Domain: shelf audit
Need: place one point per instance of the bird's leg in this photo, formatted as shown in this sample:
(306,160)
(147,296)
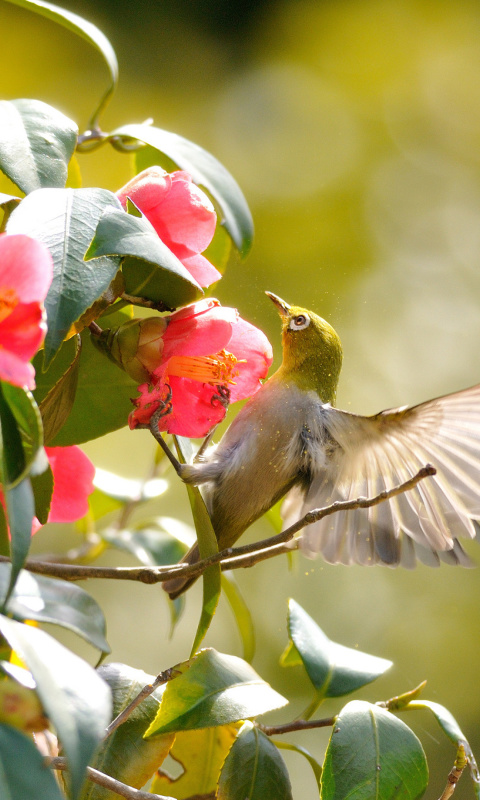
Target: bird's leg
(201,450)
(164,408)
(223,396)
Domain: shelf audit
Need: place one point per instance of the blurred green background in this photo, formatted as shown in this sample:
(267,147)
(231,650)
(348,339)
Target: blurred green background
(353,128)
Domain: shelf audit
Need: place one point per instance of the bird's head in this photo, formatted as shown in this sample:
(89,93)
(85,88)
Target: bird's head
(312,351)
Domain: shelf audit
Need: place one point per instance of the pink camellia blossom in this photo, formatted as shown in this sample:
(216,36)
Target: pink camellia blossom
(206,354)
(181,214)
(26,271)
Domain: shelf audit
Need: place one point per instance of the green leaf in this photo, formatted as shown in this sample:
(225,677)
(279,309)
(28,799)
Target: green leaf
(333,669)
(76,699)
(13,456)
(205,171)
(58,403)
(36,144)
(213,689)
(207,545)
(201,754)
(150,544)
(20,504)
(102,400)
(28,422)
(126,755)
(17,781)
(86,30)
(65,220)
(58,602)
(41,477)
(316,768)
(121,234)
(253,769)
(242,615)
(372,754)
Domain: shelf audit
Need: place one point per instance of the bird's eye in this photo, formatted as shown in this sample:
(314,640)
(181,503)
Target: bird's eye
(299,322)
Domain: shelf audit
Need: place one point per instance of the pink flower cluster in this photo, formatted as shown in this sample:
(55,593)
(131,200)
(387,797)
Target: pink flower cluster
(206,355)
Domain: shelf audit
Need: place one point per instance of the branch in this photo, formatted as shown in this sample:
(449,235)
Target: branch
(109,783)
(297,725)
(231,557)
(147,690)
(455,773)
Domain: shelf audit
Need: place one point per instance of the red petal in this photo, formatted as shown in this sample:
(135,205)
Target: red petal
(195,411)
(202,332)
(186,216)
(201,269)
(23,331)
(73,474)
(26,266)
(249,344)
(15,370)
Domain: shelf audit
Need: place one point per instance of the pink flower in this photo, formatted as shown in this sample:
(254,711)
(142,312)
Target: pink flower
(26,271)
(207,353)
(73,475)
(181,214)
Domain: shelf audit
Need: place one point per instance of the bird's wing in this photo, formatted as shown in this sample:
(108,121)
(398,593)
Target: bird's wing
(372,454)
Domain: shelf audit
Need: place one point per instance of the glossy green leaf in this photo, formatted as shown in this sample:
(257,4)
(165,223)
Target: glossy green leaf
(333,669)
(20,504)
(41,477)
(17,781)
(242,615)
(86,30)
(28,421)
(205,171)
(65,220)
(74,696)
(213,689)
(102,401)
(59,602)
(207,545)
(36,144)
(122,234)
(58,403)
(201,755)
(316,768)
(13,460)
(372,754)
(253,768)
(126,755)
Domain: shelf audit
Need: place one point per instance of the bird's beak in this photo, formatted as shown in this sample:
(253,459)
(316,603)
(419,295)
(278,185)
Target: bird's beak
(282,307)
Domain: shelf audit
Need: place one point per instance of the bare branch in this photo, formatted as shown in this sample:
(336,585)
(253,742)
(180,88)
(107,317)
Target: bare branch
(297,725)
(147,690)
(109,783)
(230,558)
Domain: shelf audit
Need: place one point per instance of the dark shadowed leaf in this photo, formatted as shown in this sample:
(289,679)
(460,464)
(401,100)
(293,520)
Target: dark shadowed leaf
(65,220)
(333,669)
(122,234)
(126,755)
(59,602)
(58,403)
(76,699)
(372,754)
(253,768)
(102,400)
(36,144)
(205,171)
(18,782)
(213,689)
(20,504)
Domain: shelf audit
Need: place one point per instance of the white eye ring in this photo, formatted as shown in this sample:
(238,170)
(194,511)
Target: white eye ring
(300,322)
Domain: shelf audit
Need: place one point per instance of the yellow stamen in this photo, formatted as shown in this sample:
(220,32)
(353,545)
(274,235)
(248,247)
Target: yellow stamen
(217,369)
(8,301)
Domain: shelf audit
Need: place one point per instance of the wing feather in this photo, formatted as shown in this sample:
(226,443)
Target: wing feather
(371,454)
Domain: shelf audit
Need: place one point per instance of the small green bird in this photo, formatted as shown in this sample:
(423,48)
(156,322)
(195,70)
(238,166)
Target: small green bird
(289,439)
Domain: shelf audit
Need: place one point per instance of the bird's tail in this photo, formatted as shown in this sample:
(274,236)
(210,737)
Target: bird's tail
(176,586)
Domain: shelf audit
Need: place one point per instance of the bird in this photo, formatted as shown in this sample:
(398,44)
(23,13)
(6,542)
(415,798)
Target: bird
(290,440)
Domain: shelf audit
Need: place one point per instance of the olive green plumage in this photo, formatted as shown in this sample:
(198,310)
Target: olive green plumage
(290,440)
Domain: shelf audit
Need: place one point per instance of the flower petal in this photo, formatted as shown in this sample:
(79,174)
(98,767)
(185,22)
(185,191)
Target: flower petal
(25,266)
(187,215)
(201,269)
(16,370)
(73,474)
(23,331)
(254,353)
(201,329)
(195,409)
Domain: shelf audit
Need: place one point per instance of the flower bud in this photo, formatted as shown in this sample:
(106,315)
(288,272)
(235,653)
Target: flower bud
(136,346)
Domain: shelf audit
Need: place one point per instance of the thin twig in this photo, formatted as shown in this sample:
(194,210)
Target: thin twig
(231,557)
(297,725)
(109,783)
(147,690)
(455,773)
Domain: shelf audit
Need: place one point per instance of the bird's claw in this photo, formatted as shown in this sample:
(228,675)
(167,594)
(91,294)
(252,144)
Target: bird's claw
(223,396)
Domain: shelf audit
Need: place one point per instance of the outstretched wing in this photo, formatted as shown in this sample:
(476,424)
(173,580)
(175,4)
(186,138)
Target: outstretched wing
(372,454)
